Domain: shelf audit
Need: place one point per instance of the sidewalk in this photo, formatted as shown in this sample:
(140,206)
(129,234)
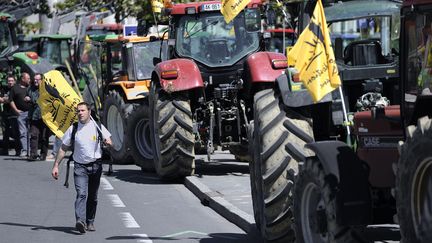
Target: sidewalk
(224,186)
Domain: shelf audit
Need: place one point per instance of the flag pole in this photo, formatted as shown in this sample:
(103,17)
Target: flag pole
(346,122)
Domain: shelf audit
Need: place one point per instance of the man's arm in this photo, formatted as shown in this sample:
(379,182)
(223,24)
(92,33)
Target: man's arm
(14,108)
(60,155)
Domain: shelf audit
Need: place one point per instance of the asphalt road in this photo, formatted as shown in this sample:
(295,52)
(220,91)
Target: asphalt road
(133,207)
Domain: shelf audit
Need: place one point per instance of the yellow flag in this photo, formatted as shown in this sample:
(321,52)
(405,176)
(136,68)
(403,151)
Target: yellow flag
(313,57)
(230,8)
(57,101)
(157,6)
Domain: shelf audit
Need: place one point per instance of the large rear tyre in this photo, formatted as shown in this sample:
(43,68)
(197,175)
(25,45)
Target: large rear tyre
(115,117)
(141,148)
(413,183)
(279,138)
(172,135)
(315,208)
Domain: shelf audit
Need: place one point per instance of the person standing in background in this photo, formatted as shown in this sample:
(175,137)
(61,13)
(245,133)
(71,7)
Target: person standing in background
(20,107)
(9,120)
(38,130)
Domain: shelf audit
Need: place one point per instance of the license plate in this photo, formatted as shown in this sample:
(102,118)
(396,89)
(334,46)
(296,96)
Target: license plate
(211,7)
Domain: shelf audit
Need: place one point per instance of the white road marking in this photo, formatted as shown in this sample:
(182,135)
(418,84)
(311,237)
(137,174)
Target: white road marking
(191,232)
(143,238)
(116,201)
(184,233)
(129,221)
(105,184)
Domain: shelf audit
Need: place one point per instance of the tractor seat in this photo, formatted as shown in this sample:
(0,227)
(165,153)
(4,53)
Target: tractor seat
(217,49)
(363,52)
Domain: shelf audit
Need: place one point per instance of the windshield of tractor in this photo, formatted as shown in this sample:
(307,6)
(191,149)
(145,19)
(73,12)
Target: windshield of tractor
(143,54)
(417,53)
(377,28)
(5,38)
(56,51)
(209,40)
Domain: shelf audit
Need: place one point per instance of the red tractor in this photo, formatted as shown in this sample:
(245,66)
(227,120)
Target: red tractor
(202,96)
(307,184)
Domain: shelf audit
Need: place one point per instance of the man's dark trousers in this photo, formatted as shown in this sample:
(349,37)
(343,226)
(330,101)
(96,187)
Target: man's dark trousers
(87,180)
(39,132)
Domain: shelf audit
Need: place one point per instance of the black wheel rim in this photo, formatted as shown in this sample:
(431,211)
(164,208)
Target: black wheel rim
(312,210)
(421,187)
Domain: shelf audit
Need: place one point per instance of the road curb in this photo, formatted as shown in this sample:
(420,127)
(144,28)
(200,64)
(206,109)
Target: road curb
(215,200)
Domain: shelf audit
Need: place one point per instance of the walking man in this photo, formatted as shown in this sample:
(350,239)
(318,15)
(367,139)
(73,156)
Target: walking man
(87,152)
(20,107)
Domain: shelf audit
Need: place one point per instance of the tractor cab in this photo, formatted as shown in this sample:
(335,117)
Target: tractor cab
(201,33)
(53,47)
(278,39)
(6,35)
(126,61)
(104,29)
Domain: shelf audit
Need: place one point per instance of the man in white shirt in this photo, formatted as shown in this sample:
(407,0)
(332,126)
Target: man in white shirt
(87,152)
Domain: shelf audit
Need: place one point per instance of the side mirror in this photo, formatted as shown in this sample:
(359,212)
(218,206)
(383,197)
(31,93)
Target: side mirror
(252,19)
(156,60)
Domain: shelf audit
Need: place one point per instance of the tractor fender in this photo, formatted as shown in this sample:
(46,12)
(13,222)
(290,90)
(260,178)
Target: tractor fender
(261,66)
(188,75)
(343,167)
(296,98)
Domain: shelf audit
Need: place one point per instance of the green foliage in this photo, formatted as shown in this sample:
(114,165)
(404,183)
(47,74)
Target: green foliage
(26,27)
(141,9)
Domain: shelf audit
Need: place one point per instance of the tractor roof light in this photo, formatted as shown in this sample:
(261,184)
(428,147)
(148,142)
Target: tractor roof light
(32,55)
(170,74)
(190,10)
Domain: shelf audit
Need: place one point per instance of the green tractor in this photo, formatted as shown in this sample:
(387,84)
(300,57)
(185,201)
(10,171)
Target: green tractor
(53,47)
(11,61)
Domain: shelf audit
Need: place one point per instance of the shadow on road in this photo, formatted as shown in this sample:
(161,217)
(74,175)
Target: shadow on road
(207,238)
(139,177)
(68,230)
(221,167)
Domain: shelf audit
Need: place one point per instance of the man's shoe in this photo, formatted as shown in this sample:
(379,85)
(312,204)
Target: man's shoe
(33,158)
(80,227)
(50,157)
(23,154)
(90,227)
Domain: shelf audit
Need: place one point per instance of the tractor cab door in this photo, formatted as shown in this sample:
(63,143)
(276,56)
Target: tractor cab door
(416,66)
(91,60)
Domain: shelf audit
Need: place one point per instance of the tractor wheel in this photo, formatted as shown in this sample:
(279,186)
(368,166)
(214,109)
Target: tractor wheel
(413,183)
(115,117)
(172,135)
(254,181)
(141,148)
(315,208)
(278,146)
